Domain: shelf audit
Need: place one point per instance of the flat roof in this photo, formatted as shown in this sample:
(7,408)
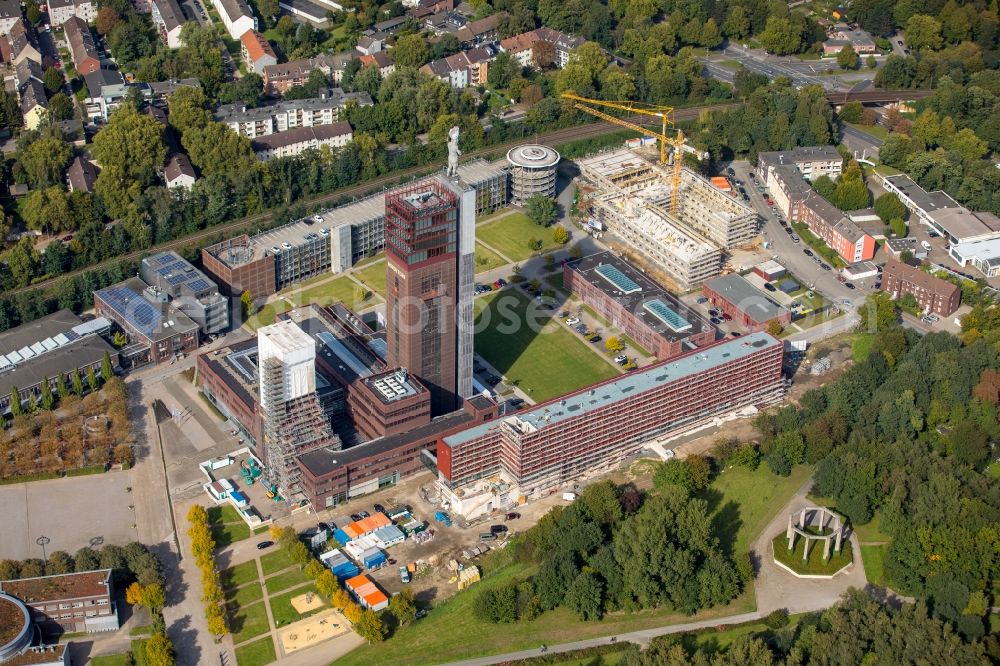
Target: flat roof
(155,320)
(643,292)
(176,275)
(394,385)
(748,298)
(323,461)
(959,222)
(608,393)
(614,162)
(48,326)
(921,198)
(984,250)
(58,587)
(77,354)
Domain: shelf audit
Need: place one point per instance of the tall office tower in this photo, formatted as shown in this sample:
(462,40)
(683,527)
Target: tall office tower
(294,422)
(430,247)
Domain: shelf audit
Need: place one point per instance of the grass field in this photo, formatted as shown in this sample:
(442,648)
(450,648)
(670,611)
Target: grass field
(139,651)
(248,621)
(112,660)
(743,502)
(246,595)
(815,565)
(510,236)
(337,289)
(373,275)
(257,653)
(281,606)
(541,356)
(285,580)
(266,315)
(227,526)
(275,561)
(862,346)
(487,260)
(239,575)
(873,557)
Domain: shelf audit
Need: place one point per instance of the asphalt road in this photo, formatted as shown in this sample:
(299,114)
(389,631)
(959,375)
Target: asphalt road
(861,143)
(801,72)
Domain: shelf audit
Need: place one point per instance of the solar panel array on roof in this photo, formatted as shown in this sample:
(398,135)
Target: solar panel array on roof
(164,259)
(133,307)
(200,285)
(621,281)
(659,309)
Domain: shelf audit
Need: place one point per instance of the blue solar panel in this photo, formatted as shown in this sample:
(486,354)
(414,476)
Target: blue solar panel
(133,308)
(660,310)
(200,285)
(176,279)
(623,282)
(164,259)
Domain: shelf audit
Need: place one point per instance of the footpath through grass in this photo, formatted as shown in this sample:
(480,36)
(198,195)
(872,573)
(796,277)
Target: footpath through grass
(531,349)
(742,502)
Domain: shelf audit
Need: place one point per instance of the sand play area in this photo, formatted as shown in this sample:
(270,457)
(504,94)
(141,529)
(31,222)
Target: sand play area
(307,602)
(316,629)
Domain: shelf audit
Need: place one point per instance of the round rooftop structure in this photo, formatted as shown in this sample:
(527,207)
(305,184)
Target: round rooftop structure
(532,172)
(15,627)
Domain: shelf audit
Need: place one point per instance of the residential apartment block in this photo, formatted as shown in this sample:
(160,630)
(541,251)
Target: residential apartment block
(811,161)
(61,10)
(932,293)
(523,48)
(236,16)
(463,69)
(82,48)
(280,78)
(295,141)
(10,13)
(290,114)
(256,51)
(168,18)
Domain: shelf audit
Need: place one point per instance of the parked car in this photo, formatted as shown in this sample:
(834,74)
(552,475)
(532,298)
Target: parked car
(735,334)
(323,526)
(825,267)
(726,317)
(716,320)
(512,515)
(595,339)
(621,359)
(580,328)
(841,278)
(849,285)
(564,314)
(806,251)
(364,514)
(380,508)
(355,517)
(573,321)
(701,299)
(404,574)
(769,286)
(264,544)
(498,529)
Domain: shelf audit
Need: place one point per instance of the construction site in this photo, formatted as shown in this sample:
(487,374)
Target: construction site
(675,219)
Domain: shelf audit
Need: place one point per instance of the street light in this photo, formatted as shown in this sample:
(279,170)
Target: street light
(43,541)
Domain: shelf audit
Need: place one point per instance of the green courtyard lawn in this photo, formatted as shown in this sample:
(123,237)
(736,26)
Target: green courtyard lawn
(743,503)
(112,660)
(285,580)
(246,595)
(267,314)
(815,565)
(373,275)
(282,610)
(542,357)
(257,653)
(275,561)
(510,235)
(862,346)
(338,289)
(247,622)
(873,557)
(227,526)
(239,575)
(487,260)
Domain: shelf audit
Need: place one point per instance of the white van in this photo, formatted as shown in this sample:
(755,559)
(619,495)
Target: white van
(925,245)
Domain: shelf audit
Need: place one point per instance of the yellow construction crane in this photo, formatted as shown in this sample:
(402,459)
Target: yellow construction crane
(665,115)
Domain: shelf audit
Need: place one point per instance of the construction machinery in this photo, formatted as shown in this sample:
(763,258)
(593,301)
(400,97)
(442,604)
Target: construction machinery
(663,113)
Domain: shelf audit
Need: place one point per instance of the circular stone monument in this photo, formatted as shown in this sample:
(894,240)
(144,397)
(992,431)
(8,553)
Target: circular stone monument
(809,530)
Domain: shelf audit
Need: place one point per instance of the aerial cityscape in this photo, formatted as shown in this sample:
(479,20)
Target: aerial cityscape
(617,333)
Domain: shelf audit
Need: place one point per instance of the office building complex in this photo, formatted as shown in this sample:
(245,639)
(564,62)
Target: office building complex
(330,241)
(557,441)
(74,602)
(293,420)
(157,331)
(643,310)
(939,211)
(189,289)
(933,294)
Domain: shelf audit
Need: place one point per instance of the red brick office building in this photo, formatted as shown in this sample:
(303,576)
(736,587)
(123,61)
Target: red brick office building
(744,303)
(634,304)
(557,441)
(933,294)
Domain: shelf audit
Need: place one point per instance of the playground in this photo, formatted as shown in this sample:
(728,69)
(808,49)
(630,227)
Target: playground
(316,629)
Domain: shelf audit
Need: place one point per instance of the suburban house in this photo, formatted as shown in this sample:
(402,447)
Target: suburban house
(256,51)
(296,141)
(236,16)
(10,13)
(82,48)
(842,35)
(380,60)
(477,33)
(81,175)
(34,104)
(20,44)
(178,172)
(107,90)
(168,18)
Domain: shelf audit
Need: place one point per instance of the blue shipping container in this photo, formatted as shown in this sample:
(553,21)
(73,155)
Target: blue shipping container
(375,560)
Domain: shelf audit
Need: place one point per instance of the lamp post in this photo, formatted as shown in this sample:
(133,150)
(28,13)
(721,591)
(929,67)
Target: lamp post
(43,541)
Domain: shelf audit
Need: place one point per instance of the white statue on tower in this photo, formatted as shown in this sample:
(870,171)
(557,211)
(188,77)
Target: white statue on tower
(453,152)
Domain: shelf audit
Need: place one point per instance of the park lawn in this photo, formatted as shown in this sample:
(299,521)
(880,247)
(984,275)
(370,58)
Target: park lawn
(451,631)
(862,346)
(337,289)
(722,638)
(285,580)
(871,532)
(373,275)
(257,653)
(245,595)
(112,660)
(731,65)
(510,235)
(743,502)
(139,651)
(541,356)
(873,557)
(486,259)
(282,610)
(275,561)
(239,575)
(227,526)
(267,314)
(247,622)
